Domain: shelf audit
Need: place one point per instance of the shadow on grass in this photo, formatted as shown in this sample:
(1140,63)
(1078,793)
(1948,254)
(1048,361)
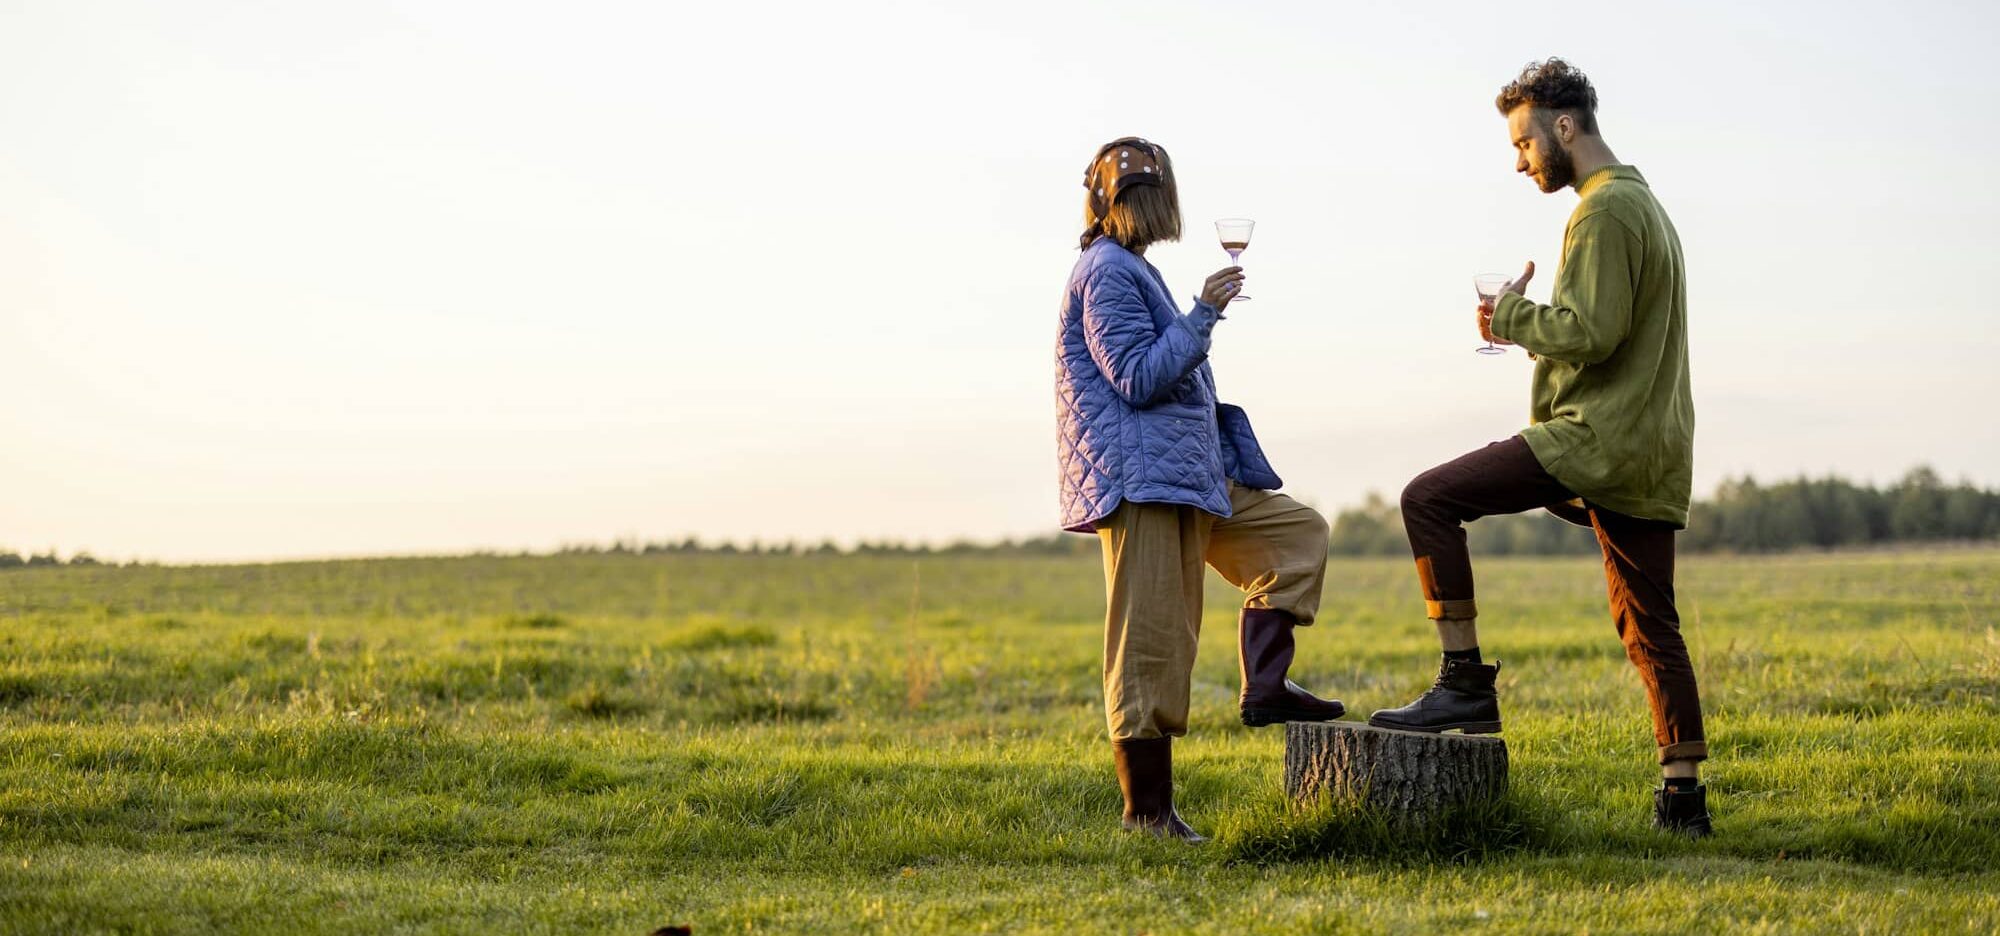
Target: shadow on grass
(722,637)
(1952,840)
(1327,829)
(18,690)
(1960,838)
(601,702)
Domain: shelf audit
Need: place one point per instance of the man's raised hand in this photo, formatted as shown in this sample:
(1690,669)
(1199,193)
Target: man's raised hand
(1484,313)
(1485,310)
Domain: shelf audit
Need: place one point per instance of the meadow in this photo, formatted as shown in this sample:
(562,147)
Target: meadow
(829,743)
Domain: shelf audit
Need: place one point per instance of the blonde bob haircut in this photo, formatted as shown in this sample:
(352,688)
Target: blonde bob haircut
(1141,214)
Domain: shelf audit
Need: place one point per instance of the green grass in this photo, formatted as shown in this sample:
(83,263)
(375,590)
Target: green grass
(828,743)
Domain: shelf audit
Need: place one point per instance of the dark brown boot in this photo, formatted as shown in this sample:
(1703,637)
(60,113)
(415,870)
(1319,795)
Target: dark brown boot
(1265,639)
(1146,776)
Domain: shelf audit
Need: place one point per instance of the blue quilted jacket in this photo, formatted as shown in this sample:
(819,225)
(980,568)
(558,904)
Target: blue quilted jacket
(1136,413)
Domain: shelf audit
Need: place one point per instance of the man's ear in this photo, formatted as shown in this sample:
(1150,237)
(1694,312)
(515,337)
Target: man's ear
(1565,128)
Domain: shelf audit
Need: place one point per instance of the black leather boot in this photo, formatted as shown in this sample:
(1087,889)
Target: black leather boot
(1146,776)
(1265,640)
(1463,697)
(1683,811)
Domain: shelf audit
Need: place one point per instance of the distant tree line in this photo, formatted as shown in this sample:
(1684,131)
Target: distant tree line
(1744,516)
(1053,544)
(10,559)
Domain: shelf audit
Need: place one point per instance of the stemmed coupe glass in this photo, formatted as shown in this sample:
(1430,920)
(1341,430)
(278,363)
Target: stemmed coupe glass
(1489,286)
(1235,236)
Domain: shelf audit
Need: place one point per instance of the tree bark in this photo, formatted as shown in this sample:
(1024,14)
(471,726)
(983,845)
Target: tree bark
(1406,774)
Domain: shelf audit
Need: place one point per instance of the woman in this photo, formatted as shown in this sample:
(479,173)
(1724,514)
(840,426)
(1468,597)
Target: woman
(1169,479)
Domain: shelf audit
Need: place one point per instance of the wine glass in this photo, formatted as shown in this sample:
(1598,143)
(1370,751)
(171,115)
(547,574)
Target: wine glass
(1489,286)
(1235,236)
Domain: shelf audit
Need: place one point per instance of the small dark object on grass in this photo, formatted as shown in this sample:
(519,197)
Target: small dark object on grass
(594,701)
(674,931)
(537,621)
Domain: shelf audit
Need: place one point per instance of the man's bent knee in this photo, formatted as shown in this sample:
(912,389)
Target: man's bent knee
(1422,493)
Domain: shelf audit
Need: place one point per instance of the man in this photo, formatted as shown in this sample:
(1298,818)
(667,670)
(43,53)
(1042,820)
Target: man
(1611,444)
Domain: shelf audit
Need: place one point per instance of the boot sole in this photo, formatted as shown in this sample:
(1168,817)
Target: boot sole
(1259,717)
(1691,829)
(1473,728)
(1163,831)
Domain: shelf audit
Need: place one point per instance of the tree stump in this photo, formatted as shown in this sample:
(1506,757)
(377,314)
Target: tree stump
(1407,774)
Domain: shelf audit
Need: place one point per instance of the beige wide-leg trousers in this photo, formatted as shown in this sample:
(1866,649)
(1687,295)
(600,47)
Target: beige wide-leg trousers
(1271,546)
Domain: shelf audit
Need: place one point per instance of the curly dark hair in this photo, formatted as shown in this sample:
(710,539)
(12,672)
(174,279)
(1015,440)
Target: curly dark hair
(1552,85)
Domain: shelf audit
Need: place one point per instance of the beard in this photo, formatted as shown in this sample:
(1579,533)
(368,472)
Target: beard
(1558,170)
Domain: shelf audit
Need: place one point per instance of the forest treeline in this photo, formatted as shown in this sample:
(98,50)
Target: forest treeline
(10,559)
(1742,516)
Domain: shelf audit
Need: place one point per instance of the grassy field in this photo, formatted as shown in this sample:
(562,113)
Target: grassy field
(779,744)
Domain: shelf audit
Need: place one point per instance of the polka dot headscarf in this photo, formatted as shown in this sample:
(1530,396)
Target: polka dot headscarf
(1118,164)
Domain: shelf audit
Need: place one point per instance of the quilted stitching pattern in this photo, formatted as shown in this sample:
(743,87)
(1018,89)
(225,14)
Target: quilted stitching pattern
(1136,413)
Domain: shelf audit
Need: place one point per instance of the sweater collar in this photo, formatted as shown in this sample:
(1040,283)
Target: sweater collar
(1597,179)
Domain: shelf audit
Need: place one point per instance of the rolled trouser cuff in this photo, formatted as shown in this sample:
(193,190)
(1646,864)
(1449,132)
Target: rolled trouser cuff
(1143,734)
(1144,711)
(1133,720)
(1302,617)
(1684,751)
(1457,609)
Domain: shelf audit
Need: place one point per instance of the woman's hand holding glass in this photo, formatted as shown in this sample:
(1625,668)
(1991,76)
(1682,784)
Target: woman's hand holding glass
(1222,286)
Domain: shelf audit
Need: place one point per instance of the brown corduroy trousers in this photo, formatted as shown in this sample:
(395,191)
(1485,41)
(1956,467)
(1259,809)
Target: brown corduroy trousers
(1271,546)
(1505,478)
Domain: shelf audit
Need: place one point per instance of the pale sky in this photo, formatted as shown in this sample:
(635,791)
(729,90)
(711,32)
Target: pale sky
(290,280)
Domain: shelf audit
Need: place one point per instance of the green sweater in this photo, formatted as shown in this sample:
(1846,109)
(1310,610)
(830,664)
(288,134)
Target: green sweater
(1613,416)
